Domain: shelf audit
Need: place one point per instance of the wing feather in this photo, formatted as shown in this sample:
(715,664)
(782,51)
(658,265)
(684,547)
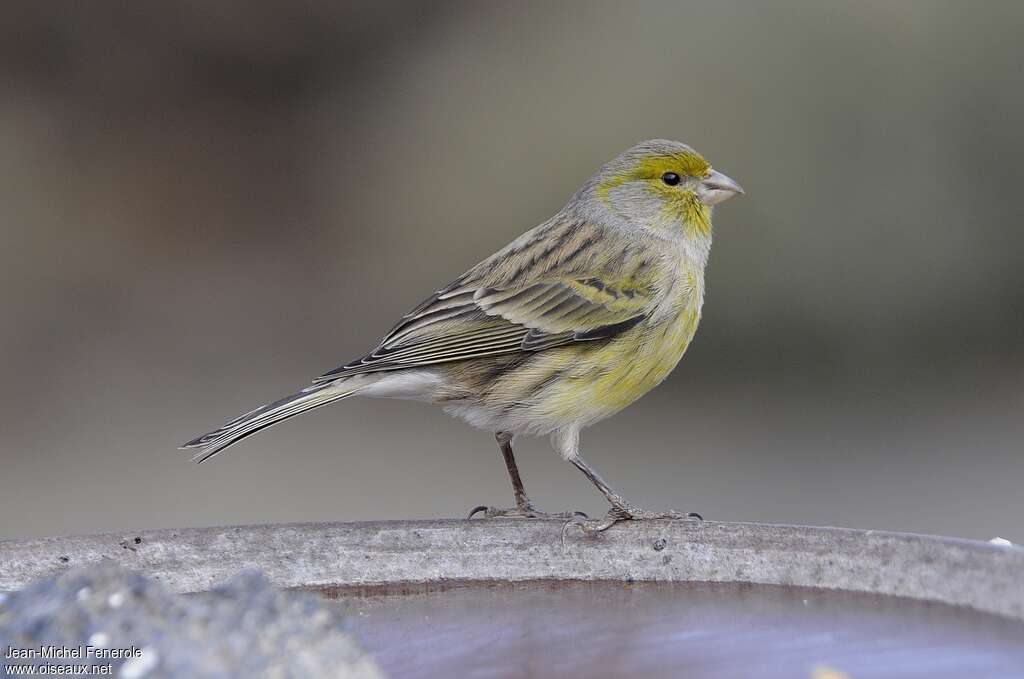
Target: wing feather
(556,296)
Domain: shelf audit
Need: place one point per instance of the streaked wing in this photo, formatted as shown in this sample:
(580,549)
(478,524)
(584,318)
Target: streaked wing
(480,314)
(500,321)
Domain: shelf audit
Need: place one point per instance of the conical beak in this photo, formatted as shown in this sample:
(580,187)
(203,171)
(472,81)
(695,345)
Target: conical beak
(717,187)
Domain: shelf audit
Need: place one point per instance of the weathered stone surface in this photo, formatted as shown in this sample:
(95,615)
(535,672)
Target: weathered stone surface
(324,555)
(242,628)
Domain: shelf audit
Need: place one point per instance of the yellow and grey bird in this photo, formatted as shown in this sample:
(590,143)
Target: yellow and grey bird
(565,326)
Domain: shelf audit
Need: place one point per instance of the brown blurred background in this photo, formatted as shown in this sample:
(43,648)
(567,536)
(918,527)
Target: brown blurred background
(203,205)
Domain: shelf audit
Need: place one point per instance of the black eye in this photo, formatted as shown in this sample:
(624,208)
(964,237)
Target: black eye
(670,178)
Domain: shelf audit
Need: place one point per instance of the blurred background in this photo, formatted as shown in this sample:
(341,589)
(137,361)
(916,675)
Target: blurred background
(204,205)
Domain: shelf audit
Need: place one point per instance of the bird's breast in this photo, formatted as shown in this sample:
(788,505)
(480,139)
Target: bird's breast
(603,380)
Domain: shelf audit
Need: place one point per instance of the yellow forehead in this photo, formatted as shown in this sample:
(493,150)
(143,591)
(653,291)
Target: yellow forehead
(677,204)
(683,164)
(651,167)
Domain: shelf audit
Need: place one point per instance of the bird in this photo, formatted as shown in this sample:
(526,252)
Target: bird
(565,326)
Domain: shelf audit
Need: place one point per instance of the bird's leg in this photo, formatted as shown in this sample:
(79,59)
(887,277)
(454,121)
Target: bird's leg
(505,445)
(523,508)
(621,510)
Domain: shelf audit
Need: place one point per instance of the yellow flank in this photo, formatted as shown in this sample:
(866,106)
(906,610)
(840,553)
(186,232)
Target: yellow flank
(599,380)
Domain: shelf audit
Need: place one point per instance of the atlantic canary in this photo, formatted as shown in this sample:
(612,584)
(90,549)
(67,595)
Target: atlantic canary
(565,326)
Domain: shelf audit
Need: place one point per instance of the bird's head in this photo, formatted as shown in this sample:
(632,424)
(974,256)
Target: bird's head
(662,184)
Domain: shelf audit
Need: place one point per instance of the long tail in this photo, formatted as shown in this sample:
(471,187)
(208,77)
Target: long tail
(270,414)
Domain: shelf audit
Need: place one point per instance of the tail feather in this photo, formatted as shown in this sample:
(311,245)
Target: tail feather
(268,415)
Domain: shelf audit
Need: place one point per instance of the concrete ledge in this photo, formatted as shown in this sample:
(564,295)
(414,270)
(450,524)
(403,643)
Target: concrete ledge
(977,575)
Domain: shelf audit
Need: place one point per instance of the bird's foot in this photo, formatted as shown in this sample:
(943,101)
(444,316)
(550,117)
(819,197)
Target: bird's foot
(623,511)
(523,510)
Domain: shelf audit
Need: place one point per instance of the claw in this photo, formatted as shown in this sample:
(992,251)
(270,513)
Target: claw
(591,526)
(587,525)
(623,513)
(574,521)
(476,510)
(524,512)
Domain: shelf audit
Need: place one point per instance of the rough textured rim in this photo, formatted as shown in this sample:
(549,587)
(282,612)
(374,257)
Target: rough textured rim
(977,575)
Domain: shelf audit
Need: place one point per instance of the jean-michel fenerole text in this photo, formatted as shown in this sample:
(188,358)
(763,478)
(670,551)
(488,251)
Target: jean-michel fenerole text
(53,652)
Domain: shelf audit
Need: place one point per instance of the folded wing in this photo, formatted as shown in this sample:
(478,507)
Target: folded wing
(473,317)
